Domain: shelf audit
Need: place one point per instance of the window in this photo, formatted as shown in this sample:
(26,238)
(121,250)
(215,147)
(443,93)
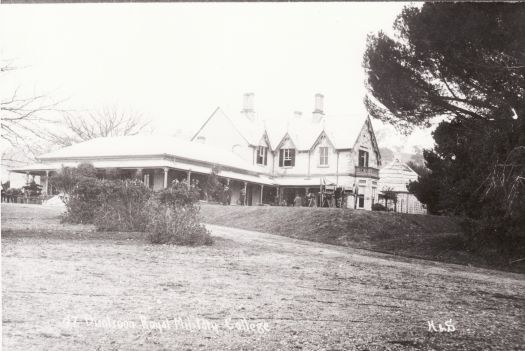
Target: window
(363,158)
(361,199)
(287,158)
(323,156)
(262,155)
(146,179)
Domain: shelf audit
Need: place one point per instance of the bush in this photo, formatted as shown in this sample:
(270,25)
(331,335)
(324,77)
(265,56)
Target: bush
(175,225)
(169,217)
(173,217)
(213,188)
(179,194)
(122,206)
(378,207)
(68,178)
(84,201)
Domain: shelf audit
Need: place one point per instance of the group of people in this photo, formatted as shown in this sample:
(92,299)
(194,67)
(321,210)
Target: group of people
(324,198)
(31,190)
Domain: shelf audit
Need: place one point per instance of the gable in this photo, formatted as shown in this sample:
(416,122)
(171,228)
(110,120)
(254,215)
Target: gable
(366,139)
(218,131)
(322,140)
(264,141)
(286,143)
(217,119)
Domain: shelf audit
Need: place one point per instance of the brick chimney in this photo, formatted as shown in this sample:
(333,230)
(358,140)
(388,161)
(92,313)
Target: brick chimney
(248,106)
(318,113)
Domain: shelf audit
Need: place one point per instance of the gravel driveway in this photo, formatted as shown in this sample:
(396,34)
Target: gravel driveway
(71,288)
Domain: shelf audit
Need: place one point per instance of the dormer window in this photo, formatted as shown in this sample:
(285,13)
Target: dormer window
(323,156)
(287,158)
(262,155)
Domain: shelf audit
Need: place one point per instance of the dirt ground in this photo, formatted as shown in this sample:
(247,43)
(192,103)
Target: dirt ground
(71,288)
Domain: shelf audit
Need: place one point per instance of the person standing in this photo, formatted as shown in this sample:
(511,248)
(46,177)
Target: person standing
(311,199)
(242,197)
(298,201)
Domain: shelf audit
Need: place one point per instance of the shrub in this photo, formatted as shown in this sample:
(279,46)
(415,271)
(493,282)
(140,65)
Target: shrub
(84,201)
(173,217)
(86,170)
(169,217)
(122,206)
(179,194)
(175,225)
(378,207)
(68,178)
(213,188)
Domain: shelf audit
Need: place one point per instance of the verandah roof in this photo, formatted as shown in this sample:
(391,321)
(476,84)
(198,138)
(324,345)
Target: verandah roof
(139,145)
(40,168)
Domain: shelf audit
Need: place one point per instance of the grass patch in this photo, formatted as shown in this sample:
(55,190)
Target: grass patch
(436,238)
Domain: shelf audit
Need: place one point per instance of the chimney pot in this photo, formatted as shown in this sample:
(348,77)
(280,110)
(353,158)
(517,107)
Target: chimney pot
(248,106)
(318,113)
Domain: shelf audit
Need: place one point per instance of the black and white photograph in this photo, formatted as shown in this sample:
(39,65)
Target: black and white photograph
(262,175)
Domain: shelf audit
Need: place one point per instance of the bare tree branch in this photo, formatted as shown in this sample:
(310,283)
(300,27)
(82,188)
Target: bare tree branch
(106,122)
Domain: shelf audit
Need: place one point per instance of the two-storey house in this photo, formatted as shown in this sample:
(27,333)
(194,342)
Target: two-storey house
(267,162)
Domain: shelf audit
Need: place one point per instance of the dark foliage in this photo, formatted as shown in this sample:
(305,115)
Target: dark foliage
(378,207)
(179,225)
(169,216)
(173,217)
(179,194)
(389,195)
(84,200)
(465,62)
(213,187)
(459,60)
(122,205)
(32,189)
(67,178)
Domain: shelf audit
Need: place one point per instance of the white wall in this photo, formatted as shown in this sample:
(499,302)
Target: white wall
(220,132)
(315,167)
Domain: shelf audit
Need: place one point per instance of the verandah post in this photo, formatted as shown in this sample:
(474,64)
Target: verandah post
(46,189)
(166,177)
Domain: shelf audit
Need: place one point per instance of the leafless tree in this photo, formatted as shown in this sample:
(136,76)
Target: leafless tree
(24,119)
(30,125)
(106,122)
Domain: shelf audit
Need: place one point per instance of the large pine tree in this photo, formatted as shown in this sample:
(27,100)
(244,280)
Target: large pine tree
(464,64)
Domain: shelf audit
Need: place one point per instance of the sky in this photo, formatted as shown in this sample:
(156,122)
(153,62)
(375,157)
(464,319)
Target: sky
(175,63)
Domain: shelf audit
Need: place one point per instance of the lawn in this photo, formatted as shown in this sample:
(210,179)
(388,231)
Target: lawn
(72,288)
(438,238)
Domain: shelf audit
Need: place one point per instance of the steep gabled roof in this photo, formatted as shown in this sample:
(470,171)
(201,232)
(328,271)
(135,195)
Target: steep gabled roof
(318,139)
(343,132)
(251,131)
